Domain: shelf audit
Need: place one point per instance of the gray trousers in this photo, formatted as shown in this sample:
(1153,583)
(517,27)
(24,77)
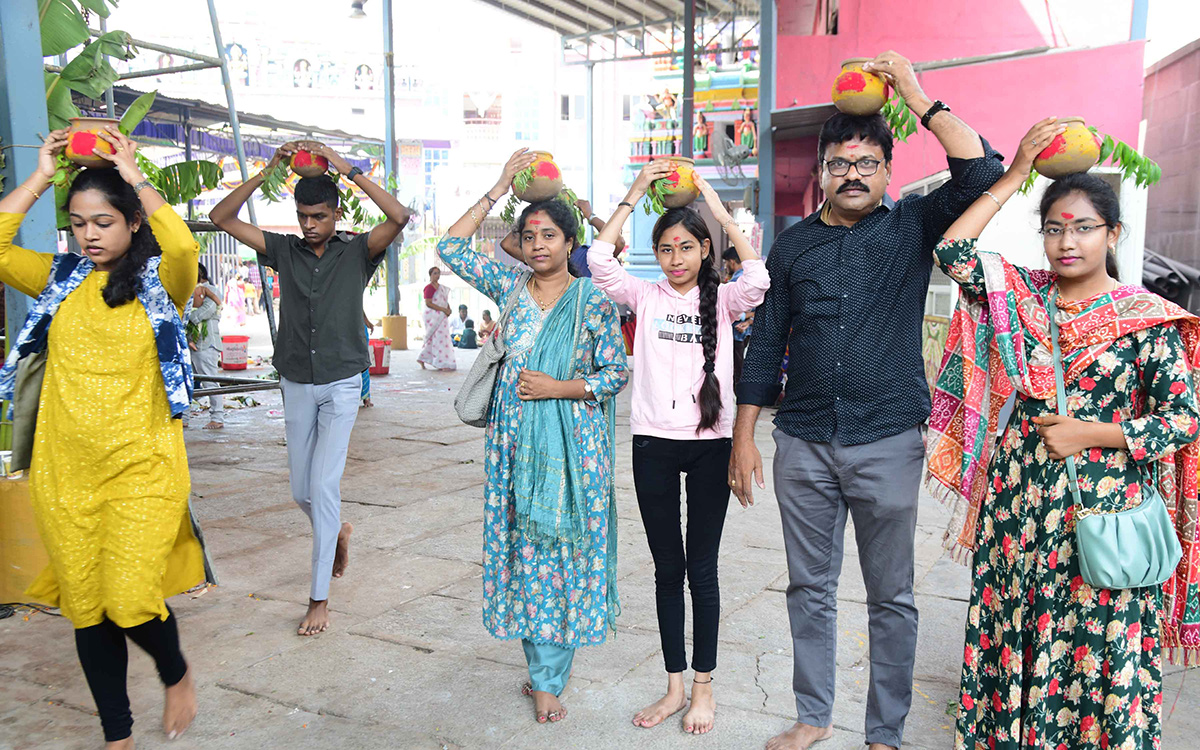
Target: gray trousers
(318,420)
(816,485)
(206,362)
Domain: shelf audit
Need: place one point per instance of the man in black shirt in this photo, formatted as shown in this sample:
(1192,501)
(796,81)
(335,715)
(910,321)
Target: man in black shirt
(321,347)
(847,298)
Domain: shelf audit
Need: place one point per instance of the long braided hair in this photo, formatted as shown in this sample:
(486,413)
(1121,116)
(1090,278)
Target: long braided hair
(709,281)
(125,281)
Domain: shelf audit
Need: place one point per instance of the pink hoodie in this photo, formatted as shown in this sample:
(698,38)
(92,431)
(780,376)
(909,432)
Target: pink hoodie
(668,358)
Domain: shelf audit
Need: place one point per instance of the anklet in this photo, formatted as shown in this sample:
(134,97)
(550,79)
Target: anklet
(705,682)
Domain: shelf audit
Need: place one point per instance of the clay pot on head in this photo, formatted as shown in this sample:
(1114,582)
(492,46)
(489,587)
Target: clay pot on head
(546,182)
(307,164)
(83,138)
(1077,149)
(679,188)
(856,92)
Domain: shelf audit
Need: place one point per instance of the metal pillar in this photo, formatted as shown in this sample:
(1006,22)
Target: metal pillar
(109,104)
(767,24)
(241,150)
(689,74)
(187,154)
(1137,26)
(392,255)
(590,119)
(22,81)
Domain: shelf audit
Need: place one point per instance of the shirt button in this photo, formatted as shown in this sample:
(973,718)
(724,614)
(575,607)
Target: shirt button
(316,270)
(842,327)
(314,351)
(314,330)
(844,296)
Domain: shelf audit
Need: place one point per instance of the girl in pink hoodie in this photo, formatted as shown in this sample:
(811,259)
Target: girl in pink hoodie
(682,420)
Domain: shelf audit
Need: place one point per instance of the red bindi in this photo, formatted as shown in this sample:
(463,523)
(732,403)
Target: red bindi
(1068,216)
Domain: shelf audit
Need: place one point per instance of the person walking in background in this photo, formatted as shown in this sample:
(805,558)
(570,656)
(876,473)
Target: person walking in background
(438,349)
(1041,643)
(109,481)
(204,341)
(235,297)
(550,518)
(847,302)
(321,349)
(745,318)
(682,422)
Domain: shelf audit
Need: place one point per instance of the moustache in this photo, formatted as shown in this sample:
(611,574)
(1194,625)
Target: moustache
(856,185)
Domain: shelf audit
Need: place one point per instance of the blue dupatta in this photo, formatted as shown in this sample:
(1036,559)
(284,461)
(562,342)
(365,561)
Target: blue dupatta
(548,485)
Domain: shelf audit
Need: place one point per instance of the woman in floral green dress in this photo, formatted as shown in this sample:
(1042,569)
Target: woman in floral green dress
(550,518)
(1050,661)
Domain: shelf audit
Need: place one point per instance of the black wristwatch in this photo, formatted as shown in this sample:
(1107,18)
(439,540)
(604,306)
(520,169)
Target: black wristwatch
(938,106)
(354,172)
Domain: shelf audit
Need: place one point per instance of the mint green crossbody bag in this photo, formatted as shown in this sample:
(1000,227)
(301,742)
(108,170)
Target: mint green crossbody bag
(1120,549)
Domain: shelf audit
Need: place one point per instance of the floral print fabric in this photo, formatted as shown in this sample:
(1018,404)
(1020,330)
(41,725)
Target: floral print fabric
(557,592)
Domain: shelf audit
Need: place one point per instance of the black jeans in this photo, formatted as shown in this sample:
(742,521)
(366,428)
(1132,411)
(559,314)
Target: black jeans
(657,464)
(105,659)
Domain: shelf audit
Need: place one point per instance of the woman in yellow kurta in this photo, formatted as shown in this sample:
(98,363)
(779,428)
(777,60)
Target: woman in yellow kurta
(109,479)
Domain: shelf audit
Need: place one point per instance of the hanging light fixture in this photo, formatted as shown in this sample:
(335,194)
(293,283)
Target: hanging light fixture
(356,9)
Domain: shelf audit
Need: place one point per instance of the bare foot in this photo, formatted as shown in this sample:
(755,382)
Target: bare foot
(367,403)
(880,746)
(316,620)
(548,707)
(179,707)
(799,737)
(672,703)
(215,426)
(702,713)
(421,363)
(341,558)
(125,744)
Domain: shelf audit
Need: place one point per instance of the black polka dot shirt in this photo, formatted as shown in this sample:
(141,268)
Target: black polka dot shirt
(847,304)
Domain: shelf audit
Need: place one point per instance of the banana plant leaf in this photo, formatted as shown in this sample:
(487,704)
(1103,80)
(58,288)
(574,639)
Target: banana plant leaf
(62,26)
(89,72)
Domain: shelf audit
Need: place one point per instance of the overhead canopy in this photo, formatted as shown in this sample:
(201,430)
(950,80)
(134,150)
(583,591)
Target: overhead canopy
(202,114)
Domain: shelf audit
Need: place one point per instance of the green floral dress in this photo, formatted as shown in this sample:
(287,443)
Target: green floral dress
(1049,661)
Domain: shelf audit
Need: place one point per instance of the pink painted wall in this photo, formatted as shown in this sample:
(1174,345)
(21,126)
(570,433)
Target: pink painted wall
(1172,110)
(999,99)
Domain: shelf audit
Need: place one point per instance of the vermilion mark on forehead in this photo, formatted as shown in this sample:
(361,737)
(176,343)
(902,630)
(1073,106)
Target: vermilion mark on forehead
(535,221)
(852,145)
(1068,216)
(675,238)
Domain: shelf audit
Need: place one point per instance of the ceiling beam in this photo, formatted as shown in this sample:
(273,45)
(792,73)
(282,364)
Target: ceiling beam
(564,26)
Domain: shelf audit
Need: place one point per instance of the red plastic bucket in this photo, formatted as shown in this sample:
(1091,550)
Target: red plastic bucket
(381,356)
(234,355)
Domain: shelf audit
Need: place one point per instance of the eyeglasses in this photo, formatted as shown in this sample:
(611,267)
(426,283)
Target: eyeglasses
(1081,230)
(841,167)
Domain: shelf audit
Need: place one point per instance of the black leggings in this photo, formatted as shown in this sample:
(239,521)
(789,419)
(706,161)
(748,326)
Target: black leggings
(105,658)
(657,464)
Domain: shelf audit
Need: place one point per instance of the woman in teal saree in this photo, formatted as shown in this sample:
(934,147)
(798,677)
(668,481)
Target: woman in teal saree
(549,552)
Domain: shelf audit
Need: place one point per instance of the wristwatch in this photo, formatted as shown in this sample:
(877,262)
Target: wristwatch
(354,172)
(938,106)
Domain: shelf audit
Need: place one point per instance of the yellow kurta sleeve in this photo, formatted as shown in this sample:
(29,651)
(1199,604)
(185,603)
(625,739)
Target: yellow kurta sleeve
(24,270)
(180,254)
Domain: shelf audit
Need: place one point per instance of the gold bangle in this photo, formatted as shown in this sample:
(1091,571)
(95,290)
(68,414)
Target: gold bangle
(32,192)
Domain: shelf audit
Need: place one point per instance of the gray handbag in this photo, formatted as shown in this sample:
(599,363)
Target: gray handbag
(474,399)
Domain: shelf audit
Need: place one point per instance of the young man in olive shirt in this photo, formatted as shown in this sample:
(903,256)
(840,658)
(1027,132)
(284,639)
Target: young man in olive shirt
(321,347)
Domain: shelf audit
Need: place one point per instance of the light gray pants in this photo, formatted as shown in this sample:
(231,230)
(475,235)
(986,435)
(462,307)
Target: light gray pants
(318,420)
(206,362)
(816,484)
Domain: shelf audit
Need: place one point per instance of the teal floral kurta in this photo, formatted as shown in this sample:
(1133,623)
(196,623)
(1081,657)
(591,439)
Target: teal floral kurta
(1050,662)
(542,592)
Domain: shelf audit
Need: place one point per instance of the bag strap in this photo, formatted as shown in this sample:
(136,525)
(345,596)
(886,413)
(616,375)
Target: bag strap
(1061,391)
(511,302)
